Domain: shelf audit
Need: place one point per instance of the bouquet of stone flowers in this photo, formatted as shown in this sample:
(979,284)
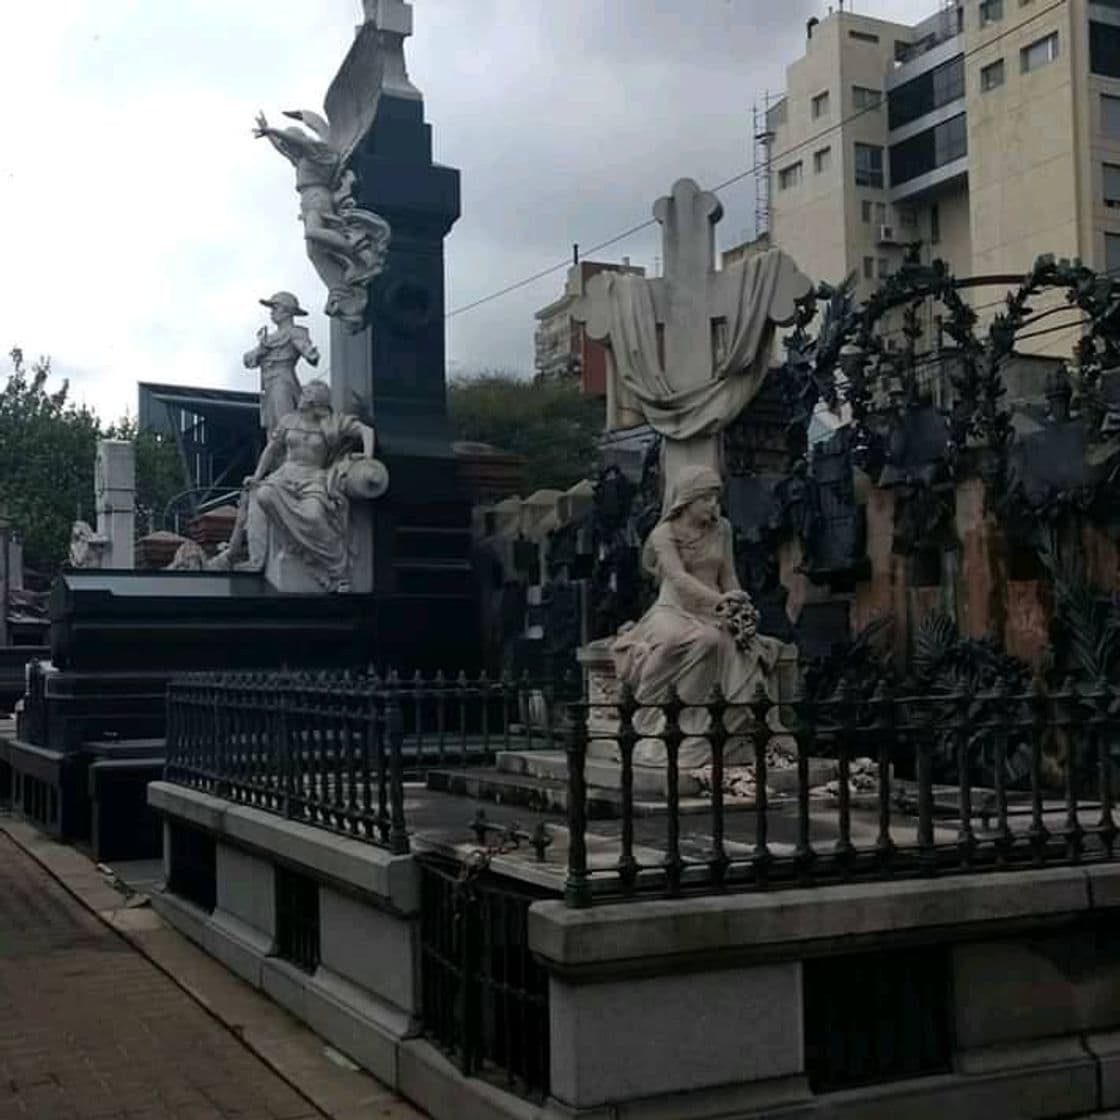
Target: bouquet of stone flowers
(739,617)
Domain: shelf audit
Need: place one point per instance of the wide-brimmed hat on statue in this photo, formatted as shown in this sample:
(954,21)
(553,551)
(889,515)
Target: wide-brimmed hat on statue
(285,301)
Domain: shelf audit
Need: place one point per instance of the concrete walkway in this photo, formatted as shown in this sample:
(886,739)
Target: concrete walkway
(110,1014)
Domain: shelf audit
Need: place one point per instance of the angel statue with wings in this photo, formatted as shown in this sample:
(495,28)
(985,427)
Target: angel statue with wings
(346,245)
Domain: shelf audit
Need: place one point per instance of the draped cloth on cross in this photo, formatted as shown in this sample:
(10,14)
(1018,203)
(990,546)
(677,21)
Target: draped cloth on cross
(691,350)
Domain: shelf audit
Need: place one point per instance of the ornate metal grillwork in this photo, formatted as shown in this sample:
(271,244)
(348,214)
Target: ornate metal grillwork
(876,1017)
(484,997)
(333,749)
(1002,780)
(297,919)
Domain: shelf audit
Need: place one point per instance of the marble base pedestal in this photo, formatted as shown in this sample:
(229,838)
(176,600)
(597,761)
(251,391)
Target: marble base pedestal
(602,689)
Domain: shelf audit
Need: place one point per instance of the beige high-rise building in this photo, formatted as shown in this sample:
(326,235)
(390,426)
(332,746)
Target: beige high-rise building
(990,132)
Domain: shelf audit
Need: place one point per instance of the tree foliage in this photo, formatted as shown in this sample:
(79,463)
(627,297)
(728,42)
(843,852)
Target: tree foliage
(47,449)
(551,423)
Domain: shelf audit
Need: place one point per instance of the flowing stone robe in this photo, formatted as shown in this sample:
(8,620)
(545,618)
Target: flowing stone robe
(680,640)
(690,350)
(303,500)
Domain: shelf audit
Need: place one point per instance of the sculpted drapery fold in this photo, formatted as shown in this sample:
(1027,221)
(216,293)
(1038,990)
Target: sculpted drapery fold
(753,298)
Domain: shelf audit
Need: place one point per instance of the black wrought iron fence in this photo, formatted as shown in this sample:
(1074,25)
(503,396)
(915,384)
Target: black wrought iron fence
(485,997)
(1000,781)
(334,749)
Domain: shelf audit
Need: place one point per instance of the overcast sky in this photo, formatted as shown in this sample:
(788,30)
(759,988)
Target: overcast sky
(142,221)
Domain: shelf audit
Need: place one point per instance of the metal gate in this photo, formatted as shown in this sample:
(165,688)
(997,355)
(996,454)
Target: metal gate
(484,999)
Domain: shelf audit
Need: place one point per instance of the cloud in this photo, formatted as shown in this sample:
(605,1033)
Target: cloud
(144,222)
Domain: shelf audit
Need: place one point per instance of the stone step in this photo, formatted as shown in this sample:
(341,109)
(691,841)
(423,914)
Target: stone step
(604,774)
(600,773)
(539,795)
(550,795)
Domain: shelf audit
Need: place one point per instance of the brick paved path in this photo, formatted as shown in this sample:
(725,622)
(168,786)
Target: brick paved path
(90,1030)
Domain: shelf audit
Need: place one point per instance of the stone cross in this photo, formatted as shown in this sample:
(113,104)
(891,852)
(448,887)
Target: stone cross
(690,349)
(394,16)
(390,21)
(115,499)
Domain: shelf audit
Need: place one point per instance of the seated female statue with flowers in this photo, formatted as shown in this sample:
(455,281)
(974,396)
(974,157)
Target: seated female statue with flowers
(701,631)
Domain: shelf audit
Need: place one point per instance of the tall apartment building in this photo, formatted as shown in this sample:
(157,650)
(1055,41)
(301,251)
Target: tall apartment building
(561,346)
(990,132)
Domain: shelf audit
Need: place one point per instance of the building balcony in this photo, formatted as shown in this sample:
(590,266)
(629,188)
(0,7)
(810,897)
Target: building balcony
(932,182)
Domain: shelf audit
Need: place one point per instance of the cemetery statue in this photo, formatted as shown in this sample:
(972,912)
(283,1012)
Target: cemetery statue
(690,350)
(88,548)
(345,244)
(276,354)
(293,518)
(701,631)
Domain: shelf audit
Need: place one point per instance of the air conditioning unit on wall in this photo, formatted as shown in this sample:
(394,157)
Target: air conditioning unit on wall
(886,236)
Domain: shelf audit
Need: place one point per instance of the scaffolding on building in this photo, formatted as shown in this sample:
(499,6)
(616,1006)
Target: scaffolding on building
(763,143)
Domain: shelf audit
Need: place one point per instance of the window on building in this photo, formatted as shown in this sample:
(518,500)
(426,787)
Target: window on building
(948,81)
(934,224)
(789,176)
(884,268)
(907,217)
(863,97)
(881,213)
(991,11)
(1110,115)
(928,91)
(928,150)
(1039,53)
(863,36)
(1104,49)
(865,208)
(869,268)
(1111,184)
(1112,253)
(822,160)
(869,165)
(819,105)
(992,75)
(950,141)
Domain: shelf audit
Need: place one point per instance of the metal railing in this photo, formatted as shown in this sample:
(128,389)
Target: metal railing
(997,781)
(484,995)
(334,749)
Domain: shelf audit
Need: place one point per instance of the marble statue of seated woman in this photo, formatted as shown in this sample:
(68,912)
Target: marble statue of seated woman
(699,633)
(293,518)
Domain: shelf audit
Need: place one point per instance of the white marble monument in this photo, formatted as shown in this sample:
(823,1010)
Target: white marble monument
(690,350)
(115,500)
(347,245)
(276,355)
(293,521)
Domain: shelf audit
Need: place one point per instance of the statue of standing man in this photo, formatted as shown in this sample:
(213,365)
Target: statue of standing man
(276,355)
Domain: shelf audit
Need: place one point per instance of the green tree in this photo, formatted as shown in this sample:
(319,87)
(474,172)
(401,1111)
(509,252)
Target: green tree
(47,450)
(551,423)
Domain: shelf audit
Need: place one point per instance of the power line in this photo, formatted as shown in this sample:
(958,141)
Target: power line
(875,107)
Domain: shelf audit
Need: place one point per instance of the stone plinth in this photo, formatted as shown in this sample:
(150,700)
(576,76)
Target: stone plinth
(157,550)
(212,528)
(115,494)
(602,690)
(487,473)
